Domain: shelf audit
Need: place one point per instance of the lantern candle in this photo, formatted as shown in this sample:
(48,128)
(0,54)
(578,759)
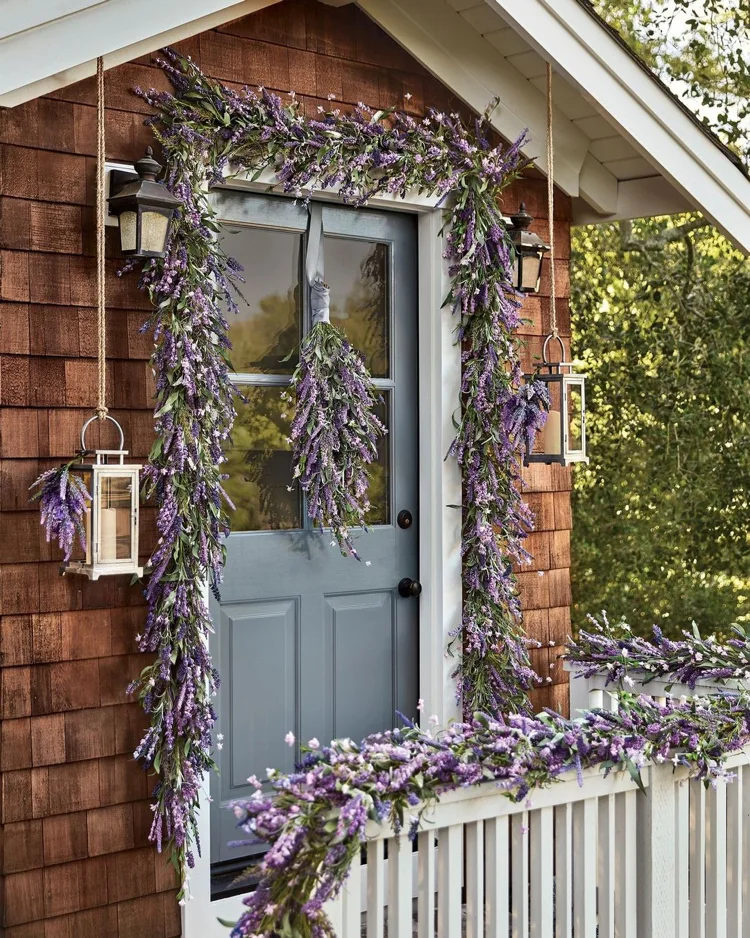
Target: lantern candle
(108,535)
(551,439)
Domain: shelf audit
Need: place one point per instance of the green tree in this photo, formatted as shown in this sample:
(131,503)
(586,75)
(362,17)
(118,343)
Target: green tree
(660,318)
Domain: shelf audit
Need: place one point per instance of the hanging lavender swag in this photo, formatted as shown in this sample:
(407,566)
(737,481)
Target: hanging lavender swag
(203,128)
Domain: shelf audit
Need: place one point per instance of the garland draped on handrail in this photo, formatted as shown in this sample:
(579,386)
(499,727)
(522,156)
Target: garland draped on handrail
(613,651)
(203,128)
(391,777)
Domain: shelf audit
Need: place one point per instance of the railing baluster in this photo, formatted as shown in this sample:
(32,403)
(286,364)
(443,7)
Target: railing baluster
(584,868)
(716,862)
(399,887)
(682,856)
(745,781)
(352,898)
(606,867)
(375,889)
(334,909)
(497,851)
(542,833)
(519,909)
(735,871)
(474,886)
(564,871)
(426,874)
(697,860)
(450,859)
(626,866)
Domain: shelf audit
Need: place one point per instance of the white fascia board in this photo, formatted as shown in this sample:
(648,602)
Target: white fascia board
(648,117)
(118,30)
(447,46)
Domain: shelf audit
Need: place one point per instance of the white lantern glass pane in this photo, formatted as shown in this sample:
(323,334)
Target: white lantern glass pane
(114,511)
(530,271)
(153,232)
(575,418)
(78,555)
(548,441)
(515,271)
(128,229)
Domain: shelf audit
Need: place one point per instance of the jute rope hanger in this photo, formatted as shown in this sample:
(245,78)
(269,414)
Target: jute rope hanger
(551,206)
(101,406)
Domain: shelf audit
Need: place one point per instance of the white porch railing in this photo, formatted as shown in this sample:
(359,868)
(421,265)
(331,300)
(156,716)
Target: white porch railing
(588,693)
(601,860)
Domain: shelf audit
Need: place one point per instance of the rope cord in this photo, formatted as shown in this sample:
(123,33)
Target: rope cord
(101,407)
(551,206)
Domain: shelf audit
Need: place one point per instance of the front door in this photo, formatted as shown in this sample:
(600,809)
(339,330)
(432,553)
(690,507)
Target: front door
(308,641)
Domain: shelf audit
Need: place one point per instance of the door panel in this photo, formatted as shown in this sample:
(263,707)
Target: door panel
(309,641)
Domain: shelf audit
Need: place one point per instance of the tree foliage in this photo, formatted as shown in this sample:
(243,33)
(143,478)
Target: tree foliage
(661,319)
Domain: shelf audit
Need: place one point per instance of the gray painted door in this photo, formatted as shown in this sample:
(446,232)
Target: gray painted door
(306,640)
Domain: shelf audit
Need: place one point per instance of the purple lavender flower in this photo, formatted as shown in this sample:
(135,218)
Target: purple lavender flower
(64,499)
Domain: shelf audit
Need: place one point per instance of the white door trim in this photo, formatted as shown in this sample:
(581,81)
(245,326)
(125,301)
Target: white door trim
(440,526)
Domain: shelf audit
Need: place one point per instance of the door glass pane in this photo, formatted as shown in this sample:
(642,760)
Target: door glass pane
(268,326)
(357,274)
(575,436)
(114,518)
(259,464)
(379,472)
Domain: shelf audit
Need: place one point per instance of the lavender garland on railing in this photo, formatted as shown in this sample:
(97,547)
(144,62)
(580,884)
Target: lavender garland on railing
(314,820)
(203,128)
(334,432)
(613,651)
(64,500)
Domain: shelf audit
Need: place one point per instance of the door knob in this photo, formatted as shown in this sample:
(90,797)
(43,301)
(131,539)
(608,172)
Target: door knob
(409,588)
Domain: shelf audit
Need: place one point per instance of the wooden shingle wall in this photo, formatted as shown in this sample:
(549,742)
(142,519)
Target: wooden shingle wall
(73,804)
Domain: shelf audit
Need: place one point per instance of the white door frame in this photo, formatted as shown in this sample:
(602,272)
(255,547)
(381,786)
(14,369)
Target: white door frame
(439,525)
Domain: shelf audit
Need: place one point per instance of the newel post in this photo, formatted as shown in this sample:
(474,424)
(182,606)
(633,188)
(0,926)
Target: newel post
(657,841)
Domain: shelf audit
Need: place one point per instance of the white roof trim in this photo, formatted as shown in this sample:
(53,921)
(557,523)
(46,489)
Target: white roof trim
(47,45)
(650,119)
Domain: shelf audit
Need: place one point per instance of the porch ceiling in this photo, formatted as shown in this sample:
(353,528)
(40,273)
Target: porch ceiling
(624,147)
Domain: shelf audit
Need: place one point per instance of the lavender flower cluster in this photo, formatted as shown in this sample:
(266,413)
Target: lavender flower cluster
(614,652)
(334,432)
(64,500)
(205,130)
(314,819)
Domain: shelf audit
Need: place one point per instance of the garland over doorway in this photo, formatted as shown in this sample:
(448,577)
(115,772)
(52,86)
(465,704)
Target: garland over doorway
(204,128)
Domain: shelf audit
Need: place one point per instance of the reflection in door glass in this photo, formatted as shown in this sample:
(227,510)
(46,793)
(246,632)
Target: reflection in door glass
(259,464)
(379,473)
(267,328)
(357,274)
(575,408)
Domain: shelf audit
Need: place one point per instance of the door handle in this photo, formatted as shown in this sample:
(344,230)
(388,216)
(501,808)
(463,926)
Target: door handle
(409,588)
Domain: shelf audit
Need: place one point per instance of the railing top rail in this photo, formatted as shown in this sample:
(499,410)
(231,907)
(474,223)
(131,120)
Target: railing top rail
(482,802)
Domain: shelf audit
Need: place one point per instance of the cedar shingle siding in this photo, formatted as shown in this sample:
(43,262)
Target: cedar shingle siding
(74,805)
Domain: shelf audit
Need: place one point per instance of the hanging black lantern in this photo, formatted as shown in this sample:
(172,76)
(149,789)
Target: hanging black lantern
(529,252)
(563,438)
(144,208)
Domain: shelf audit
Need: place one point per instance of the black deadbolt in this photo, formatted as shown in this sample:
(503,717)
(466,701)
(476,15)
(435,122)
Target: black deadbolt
(404,519)
(409,588)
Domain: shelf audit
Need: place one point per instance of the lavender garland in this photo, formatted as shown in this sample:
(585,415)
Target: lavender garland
(203,128)
(392,777)
(64,500)
(334,432)
(614,652)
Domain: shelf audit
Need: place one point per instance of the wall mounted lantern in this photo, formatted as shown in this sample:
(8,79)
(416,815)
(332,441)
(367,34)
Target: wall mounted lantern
(112,522)
(144,208)
(529,251)
(562,440)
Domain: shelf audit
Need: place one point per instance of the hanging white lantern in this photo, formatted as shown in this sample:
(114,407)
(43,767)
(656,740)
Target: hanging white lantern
(112,520)
(562,440)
